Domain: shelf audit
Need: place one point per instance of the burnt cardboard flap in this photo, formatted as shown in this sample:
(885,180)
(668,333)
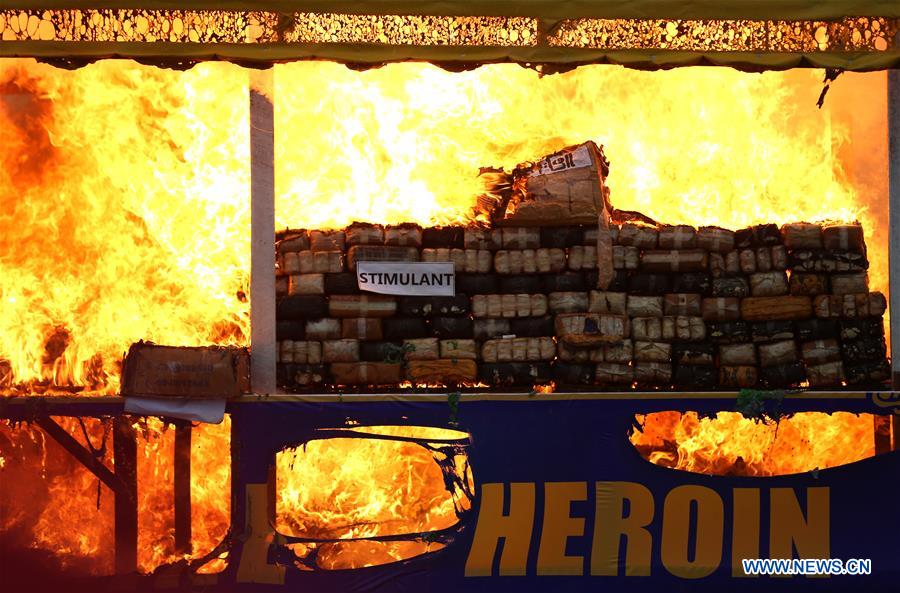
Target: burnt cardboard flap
(151,370)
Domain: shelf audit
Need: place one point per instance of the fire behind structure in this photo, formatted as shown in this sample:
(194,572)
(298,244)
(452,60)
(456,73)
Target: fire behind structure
(67,348)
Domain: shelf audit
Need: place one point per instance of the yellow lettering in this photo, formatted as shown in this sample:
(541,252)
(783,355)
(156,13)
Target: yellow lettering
(790,530)
(611,524)
(745,536)
(676,532)
(558,527)
(514,528)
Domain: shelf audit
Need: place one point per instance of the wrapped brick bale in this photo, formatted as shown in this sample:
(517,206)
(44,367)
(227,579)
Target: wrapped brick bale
(640,236)
(863,349)
(566,373)
(733,265)
(766,234)
(777,353)
(582,257)
(290,330)
(779,256)
(808,284)
(326,240)
(306,284)
(644,306)
(625,258)
(871,304)
(820,351)
(828,374)
(850,283)
(381,351)
(592,233)
(682,304)
(737,354)
(320,262)
(619,282)
(341,283)
(646,328)
(743,238)
(844,237)
(486,329)
(717,265)
(399,328)
(519,283)
(682,327)
(776,308)
(447,237)
(365,373)
(300,351)
(301,307)
(652,351)
(649,284)
(359,253)
(740,377)
(340,350)
(694,376)
(564,282)
(816,329)
(424,306)
(783,376)
(361,328)
(588,329)
(452,327)
(520,237)
(421,349)
(715,239)
(361,305)
(363,233)
(686,260)
(763,259)
(697,282)
(281,286)
(323,329)
(854,329)
(572,354)
(768,284)
(720,309)
(620,352)
(691,354)
(480,238)
(550,260)
(509,305)
(652,373)
(564,236)
(292,241)
(729,332)
(607,302)
(477,283)
(772,331)
(677,237)
(867,373)
(302,376)
(459,349)
(568,302)
(520,374)
(290,263)
(532,327)
(443,372)
(509,261)
(403,235)
(613,373)
(802,235)
(747,261)
(736,286)
(828,261)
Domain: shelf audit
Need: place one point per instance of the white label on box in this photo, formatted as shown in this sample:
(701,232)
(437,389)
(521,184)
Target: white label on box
(563,161)
(407,278)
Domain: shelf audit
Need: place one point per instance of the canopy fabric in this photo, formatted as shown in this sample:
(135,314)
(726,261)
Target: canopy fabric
(549,9)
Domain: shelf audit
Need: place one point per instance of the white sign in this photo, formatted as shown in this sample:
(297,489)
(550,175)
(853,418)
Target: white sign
(407,278)
(562,161)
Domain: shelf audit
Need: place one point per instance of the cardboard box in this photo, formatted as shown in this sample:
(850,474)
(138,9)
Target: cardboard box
(211,372)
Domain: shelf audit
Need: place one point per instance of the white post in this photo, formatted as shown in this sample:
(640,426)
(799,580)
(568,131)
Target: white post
(262,224)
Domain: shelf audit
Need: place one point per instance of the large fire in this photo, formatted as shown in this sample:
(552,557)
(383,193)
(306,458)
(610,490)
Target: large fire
(125,216)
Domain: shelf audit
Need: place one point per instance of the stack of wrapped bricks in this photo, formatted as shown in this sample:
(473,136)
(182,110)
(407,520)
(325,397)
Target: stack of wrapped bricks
(687,308)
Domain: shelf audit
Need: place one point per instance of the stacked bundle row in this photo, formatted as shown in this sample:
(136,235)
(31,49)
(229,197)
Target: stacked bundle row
(687,308)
